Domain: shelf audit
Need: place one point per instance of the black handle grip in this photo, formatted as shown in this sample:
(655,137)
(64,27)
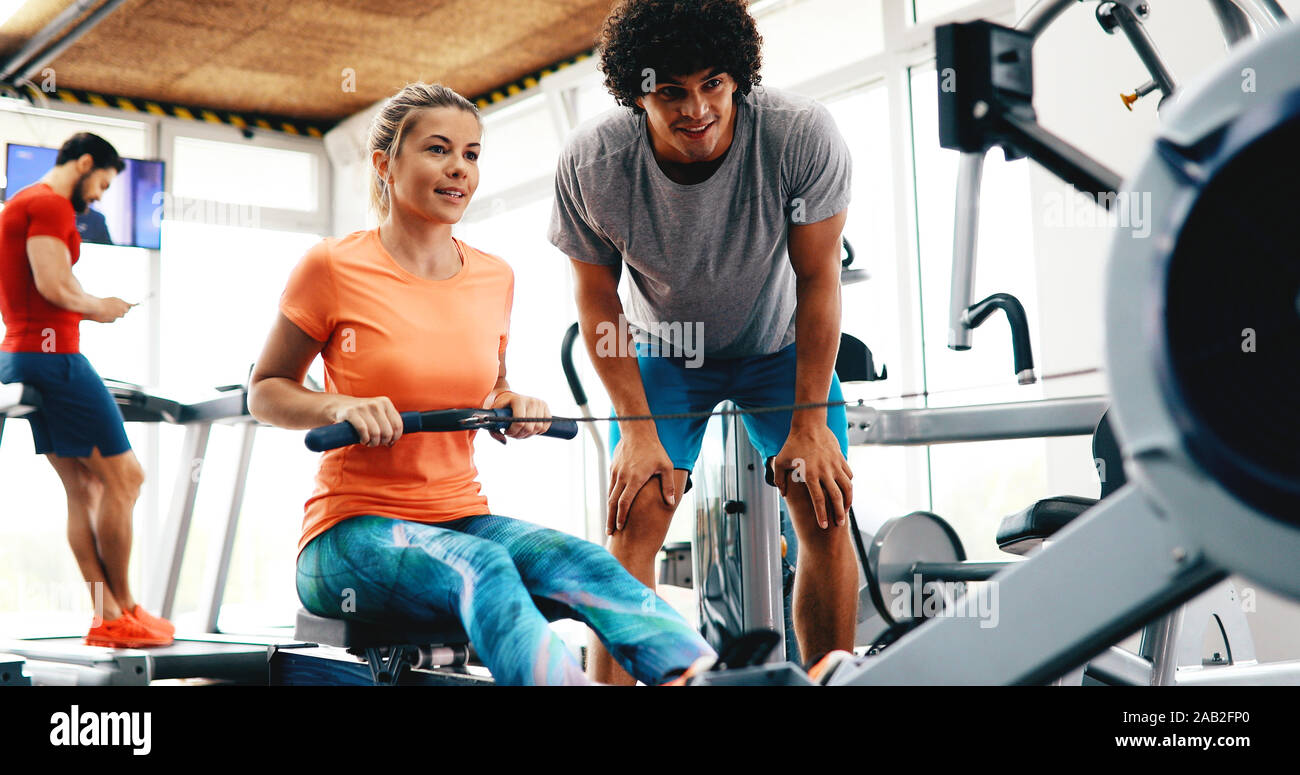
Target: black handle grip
(566,363)
(1021,349)
(343,434)
(560,429)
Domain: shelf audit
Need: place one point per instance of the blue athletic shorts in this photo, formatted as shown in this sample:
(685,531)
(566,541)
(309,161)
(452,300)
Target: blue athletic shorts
(672,386)
(77,413)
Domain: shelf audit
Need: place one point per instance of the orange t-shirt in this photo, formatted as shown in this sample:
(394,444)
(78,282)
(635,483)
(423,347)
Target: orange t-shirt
(32,323)
(426,344)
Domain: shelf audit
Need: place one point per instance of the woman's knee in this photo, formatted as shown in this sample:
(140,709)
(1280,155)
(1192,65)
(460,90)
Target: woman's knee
(591,559)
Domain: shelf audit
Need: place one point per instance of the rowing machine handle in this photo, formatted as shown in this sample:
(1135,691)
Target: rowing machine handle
(343,434)
(560,429)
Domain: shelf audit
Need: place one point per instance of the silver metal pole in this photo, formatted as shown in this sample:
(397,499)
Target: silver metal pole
(1163,648)
(1268,14)
(161,594)
(42,38)
(763,603)
(595,532)
(215,589)
(965,237)
(45,57)
(1145,48)
(981,422)
(1118,667)
(1042,14)
(1232,20)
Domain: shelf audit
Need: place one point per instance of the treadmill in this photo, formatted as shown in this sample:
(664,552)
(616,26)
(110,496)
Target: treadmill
(66,660)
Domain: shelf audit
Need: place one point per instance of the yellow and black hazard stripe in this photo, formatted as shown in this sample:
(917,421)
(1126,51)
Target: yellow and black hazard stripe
(190,113)
(290,126)
(527,82)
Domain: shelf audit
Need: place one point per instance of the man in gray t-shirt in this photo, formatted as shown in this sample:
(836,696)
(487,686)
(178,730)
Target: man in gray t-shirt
(725,201)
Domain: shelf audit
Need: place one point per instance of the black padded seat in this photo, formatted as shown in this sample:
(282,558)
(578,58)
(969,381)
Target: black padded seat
(855,363)
(360,635)
(1025,530)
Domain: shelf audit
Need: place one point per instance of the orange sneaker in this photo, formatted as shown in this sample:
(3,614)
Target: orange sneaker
(156,623)
(821,672)
(126,632)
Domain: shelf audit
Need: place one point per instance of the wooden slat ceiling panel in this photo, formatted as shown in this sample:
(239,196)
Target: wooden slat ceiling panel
(286,57)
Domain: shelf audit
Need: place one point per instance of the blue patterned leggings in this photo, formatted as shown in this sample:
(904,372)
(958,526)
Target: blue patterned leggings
(494,574)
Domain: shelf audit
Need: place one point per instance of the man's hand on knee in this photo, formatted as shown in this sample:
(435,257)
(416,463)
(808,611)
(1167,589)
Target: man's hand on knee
(811,458)
(636,461)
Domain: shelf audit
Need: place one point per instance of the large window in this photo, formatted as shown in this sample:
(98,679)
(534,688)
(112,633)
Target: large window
(925,10)
(985,372)
(803,39)
(244,174)
(519,145)
(220,291)
(592,99)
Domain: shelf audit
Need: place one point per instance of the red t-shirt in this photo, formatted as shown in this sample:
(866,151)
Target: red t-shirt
(33,324)
(426,344)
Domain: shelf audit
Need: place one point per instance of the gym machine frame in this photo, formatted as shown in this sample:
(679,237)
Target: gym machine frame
(1173,531)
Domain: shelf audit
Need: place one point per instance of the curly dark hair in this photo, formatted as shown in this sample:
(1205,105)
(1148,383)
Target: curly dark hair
(676,38)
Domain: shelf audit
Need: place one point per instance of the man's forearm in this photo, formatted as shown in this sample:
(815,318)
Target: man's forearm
(817,327)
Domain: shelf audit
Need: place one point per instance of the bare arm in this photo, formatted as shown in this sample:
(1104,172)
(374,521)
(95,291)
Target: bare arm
(815,254)
(639,455)
(814,251)
(276,394)
(52,271)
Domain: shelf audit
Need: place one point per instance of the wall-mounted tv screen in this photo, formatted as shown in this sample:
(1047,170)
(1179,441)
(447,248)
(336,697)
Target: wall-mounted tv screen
(130,212)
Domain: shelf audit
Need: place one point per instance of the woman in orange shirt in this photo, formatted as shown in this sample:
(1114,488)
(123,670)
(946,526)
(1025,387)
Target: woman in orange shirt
(407,317)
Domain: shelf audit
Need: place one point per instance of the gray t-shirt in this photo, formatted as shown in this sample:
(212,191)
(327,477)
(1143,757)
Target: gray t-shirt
(712,254)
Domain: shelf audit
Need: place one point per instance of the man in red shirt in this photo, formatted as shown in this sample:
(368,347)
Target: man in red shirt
(78,427)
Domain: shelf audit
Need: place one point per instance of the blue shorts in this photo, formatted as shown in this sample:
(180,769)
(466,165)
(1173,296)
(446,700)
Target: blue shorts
(671,387)
(77,413)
